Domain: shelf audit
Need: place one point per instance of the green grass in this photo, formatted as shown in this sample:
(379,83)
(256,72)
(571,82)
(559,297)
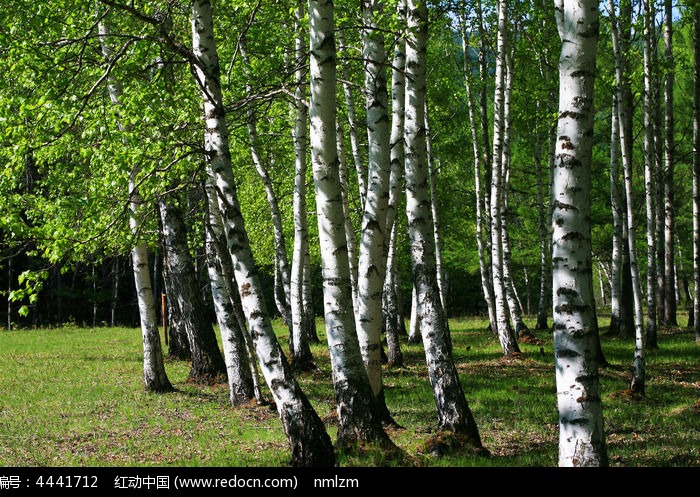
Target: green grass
(74,397)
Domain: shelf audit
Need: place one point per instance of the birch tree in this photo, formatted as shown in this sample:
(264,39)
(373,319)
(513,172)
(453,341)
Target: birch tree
(479,163)
(650,171)
(624,119)
(620,34)
(357,421)
(373,240)
(519,328)
(581,432)
(616,207)
(207,363)
(503,328)
(696,170)
(353,121)
(432,173)
(393,318)
(154,374)
(306,433)
(282,282)
(301,356)
(239,353)
(670,301)
(454,414)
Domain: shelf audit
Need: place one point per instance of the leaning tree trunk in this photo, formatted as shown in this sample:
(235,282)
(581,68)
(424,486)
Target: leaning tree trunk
(154,375)
(241,366)
(452,408)
(357,421)
(581,432)
(306,433)
(207,366)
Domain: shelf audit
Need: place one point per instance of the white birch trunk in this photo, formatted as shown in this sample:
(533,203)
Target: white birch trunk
(310,443)
(432,172)
(356,419)
(353,124)
(299,339)
(581,432)
(414,333)
(649,168)
(669,158)
(696,172)
(484,73)
(373,241)
(239,353)
(154,374)
(545,214)
(392,315)
(349,229)
(638,373)
(393,318)
(616,208)
(514,306)
(484,271)
(452,408)
(503,328)
(308,298)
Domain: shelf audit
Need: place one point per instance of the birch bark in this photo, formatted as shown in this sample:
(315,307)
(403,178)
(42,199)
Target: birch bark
(302,357)
(670,300)
(281,259)
(239,353)
(306,433)
(392,314)
(581,433)
(452,408)
(649,172)
(356,418)
(154,374)
(207,363)
(696,171)
(373,240)
(503,328)
(484,269)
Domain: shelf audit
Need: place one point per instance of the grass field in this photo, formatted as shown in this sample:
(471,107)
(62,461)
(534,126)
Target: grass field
(74,397)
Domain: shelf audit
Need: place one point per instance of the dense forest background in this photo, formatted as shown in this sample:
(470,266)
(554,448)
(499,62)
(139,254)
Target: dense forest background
(64,251)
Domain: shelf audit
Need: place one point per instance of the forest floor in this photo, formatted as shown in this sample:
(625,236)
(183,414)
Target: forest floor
(74,397)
